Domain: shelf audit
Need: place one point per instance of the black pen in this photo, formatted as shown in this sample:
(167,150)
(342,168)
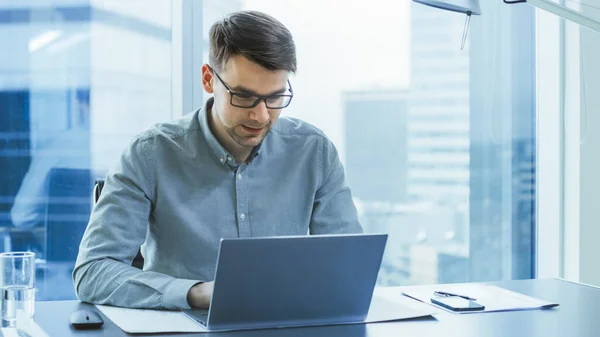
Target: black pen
(447,294)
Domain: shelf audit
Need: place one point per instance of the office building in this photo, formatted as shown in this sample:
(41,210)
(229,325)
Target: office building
(502,202)
(416,232)
(375,128)
(503,215)
(432,264)
(438,122)
(453,162)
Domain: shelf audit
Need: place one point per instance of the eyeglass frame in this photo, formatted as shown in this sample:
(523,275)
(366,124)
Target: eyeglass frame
(258,97)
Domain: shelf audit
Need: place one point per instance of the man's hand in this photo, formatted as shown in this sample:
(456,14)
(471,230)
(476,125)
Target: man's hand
(199,295)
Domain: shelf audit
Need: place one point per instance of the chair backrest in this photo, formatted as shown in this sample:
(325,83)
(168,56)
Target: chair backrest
(67,212)
(98,185)
(138,260)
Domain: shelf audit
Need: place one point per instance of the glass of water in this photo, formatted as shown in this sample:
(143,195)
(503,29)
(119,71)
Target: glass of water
(17,286)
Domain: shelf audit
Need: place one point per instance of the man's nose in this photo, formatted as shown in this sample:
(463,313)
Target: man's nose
(260,113)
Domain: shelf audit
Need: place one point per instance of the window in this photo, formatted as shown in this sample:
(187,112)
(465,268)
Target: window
(580,143)
(446,137)
(568,146)
(79,80)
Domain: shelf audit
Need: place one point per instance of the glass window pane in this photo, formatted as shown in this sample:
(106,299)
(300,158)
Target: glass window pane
(445,136)
(81,78)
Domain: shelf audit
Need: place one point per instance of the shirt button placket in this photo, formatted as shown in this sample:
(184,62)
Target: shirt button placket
(240,187)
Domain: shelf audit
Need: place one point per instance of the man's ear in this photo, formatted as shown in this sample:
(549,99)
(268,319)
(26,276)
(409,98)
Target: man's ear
(208,78)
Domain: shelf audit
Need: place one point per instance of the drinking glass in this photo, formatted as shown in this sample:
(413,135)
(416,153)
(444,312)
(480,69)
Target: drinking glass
(17,286)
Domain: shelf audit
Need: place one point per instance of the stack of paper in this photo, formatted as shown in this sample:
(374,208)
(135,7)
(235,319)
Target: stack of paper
(492,297)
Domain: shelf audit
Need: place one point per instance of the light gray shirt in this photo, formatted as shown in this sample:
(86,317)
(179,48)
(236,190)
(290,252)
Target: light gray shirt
(176,192)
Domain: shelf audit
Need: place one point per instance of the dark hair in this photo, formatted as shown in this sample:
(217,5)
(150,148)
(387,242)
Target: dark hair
(257,36)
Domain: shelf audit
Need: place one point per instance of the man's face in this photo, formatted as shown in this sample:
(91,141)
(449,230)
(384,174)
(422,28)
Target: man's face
(246,126)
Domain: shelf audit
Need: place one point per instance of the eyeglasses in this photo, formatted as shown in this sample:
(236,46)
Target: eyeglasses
(246,100)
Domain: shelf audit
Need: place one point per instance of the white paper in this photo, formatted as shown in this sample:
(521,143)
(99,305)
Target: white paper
(386,305)
(492,297)
(400,308)
(394,294)
(150,321)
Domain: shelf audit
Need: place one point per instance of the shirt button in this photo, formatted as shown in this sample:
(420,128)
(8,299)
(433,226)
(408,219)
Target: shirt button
(242,216)
(222,160)
(240,176)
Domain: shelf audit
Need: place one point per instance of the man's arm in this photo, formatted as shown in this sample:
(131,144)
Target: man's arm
(103,273)
(333,210)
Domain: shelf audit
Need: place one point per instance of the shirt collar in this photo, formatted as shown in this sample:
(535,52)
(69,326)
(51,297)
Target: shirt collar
(222,155)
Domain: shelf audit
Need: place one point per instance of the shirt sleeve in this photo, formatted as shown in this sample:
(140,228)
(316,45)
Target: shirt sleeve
(334,211)
(117,228)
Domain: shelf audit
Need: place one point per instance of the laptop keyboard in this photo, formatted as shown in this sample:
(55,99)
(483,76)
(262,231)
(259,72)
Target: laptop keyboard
(200,316)
(203,318)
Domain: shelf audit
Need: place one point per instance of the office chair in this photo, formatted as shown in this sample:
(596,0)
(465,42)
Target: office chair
(138,260)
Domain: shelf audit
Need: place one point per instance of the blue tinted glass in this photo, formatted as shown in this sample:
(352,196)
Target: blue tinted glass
(76,84)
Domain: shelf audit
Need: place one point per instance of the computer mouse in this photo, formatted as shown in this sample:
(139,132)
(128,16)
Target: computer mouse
(86,319)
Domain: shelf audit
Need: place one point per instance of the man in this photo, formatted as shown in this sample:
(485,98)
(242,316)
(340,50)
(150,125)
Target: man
(232,169)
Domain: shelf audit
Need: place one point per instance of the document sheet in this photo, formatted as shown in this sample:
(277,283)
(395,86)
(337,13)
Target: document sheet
(492,297)
(397,307)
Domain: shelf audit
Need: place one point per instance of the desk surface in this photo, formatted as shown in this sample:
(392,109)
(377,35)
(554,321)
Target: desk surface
(577,316)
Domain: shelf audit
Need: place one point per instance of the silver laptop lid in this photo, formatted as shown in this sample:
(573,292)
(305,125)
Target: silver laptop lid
(295,280)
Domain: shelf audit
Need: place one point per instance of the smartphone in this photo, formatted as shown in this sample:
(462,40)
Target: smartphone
(457,304)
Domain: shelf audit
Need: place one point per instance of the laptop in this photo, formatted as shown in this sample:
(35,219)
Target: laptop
(291,281)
